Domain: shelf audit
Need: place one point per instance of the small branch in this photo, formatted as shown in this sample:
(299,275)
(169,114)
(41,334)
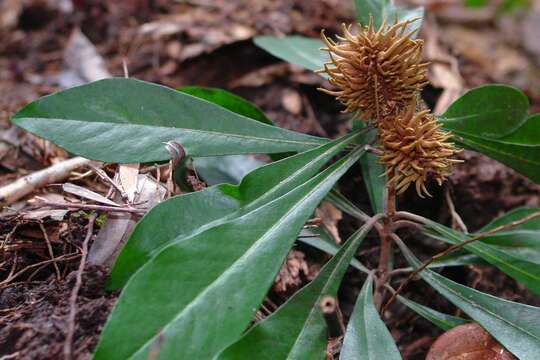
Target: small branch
(332,315)
(75,291)
(454,247)
(27,184)
(457,221)
(71,206)
(49,247)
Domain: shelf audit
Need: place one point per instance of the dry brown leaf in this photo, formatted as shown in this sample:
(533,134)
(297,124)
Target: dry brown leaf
(330,216)
(443,72)
(290,274)
(468,342)
(291,101)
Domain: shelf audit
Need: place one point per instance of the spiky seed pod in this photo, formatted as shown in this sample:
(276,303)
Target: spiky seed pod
(414,149)
(376,73)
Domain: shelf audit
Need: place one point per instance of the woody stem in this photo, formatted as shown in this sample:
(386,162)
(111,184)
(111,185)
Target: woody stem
(385,254)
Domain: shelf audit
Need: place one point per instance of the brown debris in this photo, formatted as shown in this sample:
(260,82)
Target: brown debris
(468,342)
(292,273)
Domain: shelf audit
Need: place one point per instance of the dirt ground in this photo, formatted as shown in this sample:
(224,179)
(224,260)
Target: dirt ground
(203,42)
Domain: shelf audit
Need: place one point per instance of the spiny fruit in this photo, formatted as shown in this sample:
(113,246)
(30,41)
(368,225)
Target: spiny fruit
(376,73)
(414,149)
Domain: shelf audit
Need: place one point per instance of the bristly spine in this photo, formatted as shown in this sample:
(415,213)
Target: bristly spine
(378,75)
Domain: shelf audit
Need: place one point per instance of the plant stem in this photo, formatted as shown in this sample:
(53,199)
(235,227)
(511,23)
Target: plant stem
(385,253)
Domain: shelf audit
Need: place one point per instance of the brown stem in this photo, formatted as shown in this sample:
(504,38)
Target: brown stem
(386,244)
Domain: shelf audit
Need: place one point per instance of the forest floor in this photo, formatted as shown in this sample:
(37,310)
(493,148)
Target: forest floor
(208,43)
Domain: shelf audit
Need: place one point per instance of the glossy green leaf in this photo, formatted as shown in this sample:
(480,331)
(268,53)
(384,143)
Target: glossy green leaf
(297,330)
(372,171)
(457,260)
(523,159)
(442,320)
(516,326)
(224,271)
(126,120)
(298,50)
(489,111)
(519,150)
(225,169)
(367,337)
(227,100)
(521,241)
(521,269)
(386,10)
(217,204)
(527,134)
(513,215)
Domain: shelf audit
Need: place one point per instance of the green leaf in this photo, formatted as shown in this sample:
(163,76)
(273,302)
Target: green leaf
(297,330)
(443,321)
(367,337)
(225,169)
(523,159)
(513,215)
(372,171)
(521,241)
(126,120)
(456,260)
(298,50)
(385,9)
(521,269)
(527,134)
(487,112)
(197,295)
(229,101)
(217,204)
(515,326)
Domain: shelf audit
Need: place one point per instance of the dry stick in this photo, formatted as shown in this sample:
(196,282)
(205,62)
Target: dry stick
(65,205)
(456,219)
(27,184)
(75,291)
(13,276)
(49,247)
(452,248)
(332,315)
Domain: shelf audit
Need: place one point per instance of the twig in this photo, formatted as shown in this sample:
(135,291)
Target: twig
(65,205)
(454,247)
(12,276)
(49,247)
(75,291)
(332,315)
(405,223)
(457,221)
(27,184)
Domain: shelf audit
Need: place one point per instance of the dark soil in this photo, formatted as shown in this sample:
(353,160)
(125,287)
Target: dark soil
(33,317)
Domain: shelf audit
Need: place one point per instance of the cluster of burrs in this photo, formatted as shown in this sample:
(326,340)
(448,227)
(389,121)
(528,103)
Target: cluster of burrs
(378,75)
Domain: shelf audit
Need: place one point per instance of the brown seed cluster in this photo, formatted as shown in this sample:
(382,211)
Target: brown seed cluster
(414,147)
(379,76)
(376,73)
